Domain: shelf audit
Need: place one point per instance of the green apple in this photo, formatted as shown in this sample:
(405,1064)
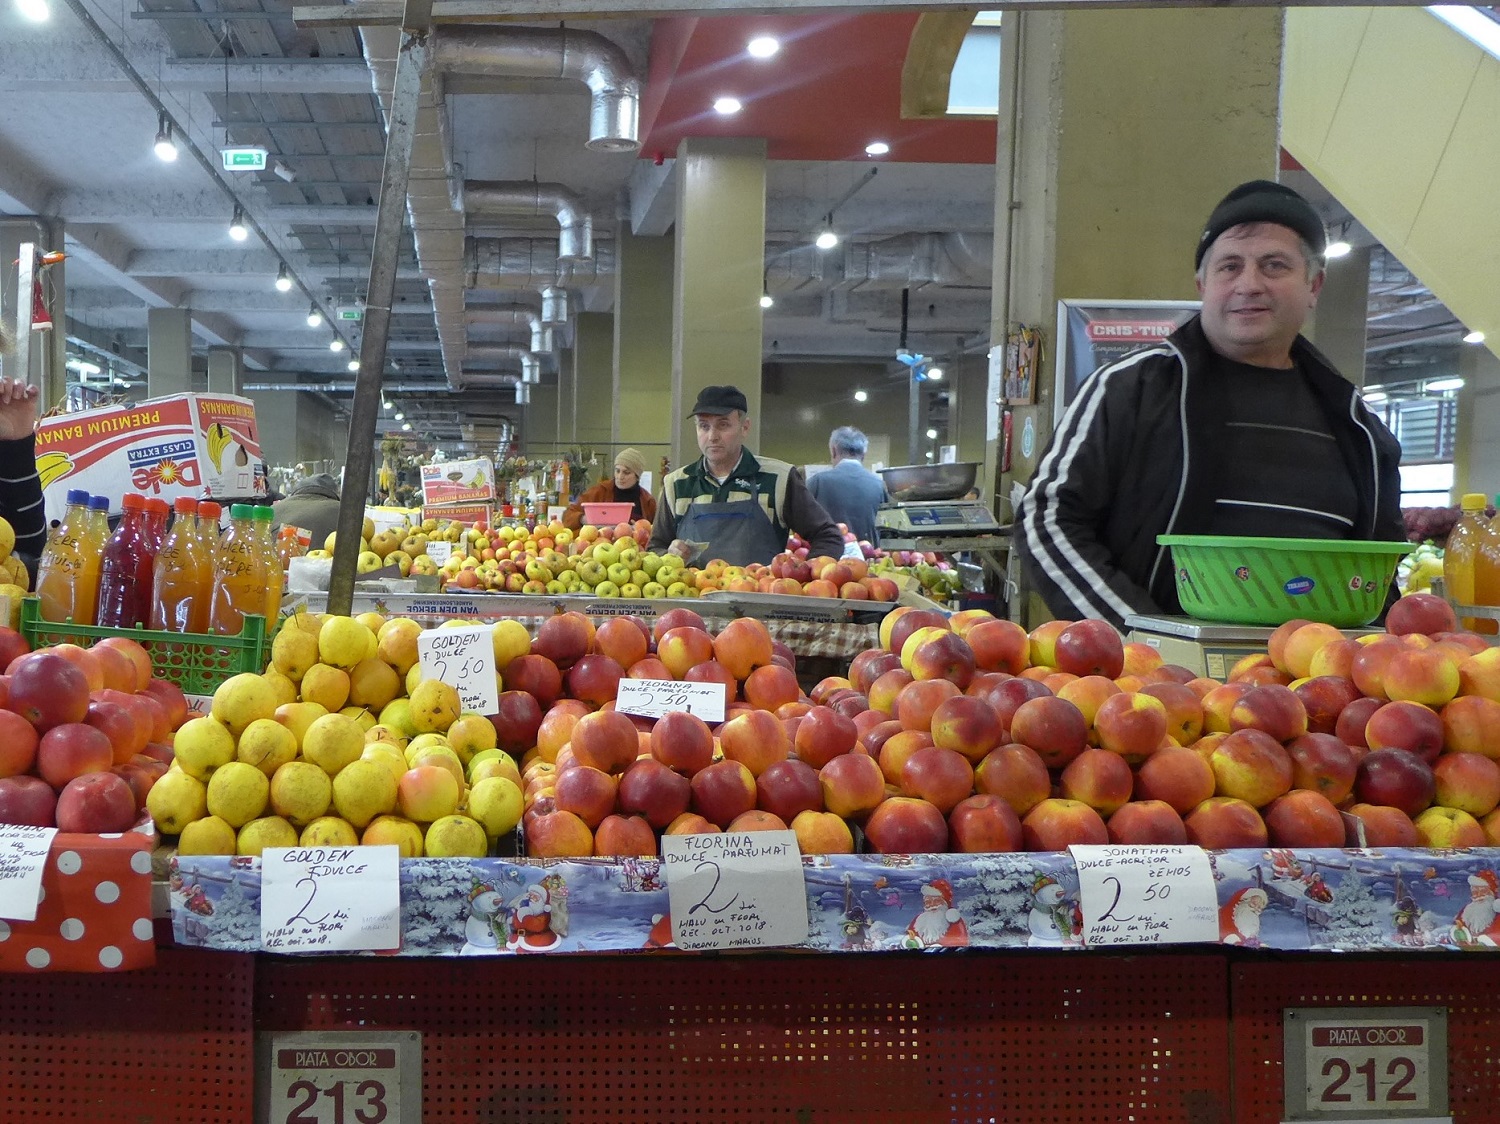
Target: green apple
(619,573)
(653,590)
(607,589)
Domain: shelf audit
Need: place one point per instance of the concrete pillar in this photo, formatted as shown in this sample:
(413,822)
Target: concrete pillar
(567,405)
(966,406)
(716,287)
(224,372)
(593,378)
(1476,460)
(1338,324)
(541,422)
(1118,132)
(276,422)
(169,351)
(643,343)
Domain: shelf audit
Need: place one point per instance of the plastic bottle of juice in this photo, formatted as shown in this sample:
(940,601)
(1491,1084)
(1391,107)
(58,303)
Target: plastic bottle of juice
(275,571)
(181,583)
(1486,573)
(288,546)
(58,571)
(91,546)
(126,572)
(157,511)
(208,526)
(240,576)
(1460,555)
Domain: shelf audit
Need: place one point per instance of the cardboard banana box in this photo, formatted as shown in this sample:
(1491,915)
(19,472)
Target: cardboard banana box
(201,445)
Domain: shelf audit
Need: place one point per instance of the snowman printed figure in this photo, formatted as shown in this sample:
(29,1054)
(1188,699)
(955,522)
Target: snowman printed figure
(1054,920)
(483,928)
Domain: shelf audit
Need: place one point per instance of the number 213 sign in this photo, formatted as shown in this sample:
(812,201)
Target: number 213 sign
(340,1077)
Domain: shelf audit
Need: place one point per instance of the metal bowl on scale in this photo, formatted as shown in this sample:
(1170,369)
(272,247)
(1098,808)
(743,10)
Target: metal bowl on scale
(920,482)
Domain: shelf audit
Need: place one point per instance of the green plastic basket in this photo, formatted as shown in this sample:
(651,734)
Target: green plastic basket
(196,662)
(1271,581)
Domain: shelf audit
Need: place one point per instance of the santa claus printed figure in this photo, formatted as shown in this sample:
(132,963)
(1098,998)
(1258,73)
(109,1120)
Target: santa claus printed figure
(939,924)
(1239,917)
(1477,923)
(531,921)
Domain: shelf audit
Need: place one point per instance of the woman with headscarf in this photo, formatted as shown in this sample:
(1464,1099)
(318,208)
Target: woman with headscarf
(623,487)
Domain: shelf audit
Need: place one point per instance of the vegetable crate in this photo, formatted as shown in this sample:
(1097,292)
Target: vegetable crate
(196,662)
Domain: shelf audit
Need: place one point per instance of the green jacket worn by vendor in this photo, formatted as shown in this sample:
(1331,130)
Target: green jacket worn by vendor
(741,505)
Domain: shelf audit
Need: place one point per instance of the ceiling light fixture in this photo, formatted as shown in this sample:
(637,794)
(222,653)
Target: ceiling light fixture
(935,374)
(354,364)
(1476,336)
(283,280)
(763,46)
(877,148)
(385,403)
(237,228)
(727,106)
(314,316)
(826,239)
(766,300)
(861,396)
(166,147)
(406,426)
(1375,396)
(336,344)
(400,416)
(36,11)
(1337,249)
(1438,386)
(932,433)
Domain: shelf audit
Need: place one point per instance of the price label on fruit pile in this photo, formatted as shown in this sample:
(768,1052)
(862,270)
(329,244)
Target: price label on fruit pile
(439,551)
(1360,1064)
(735,889)
(1146,895)
(340,1077)
(23,853)
(651,698)
(330,899)
(464,658)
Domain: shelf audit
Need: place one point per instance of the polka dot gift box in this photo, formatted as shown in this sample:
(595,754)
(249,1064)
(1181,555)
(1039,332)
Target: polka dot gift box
(95,912)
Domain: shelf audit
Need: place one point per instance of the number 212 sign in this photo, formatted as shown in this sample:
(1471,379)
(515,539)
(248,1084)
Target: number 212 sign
(1359,1064)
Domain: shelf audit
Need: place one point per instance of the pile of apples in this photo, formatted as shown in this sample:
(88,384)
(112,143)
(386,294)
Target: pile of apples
(341,741)
(549,560)
(84,733)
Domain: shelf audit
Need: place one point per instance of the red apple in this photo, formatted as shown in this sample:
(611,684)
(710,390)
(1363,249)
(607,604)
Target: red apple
(1323,764)
(1352,720)
(787,788)
(967,725)
(823,734)
(1178,777)
(1274,709)
(605,740)
(907,826)
(48,691)
(1016,774)
(1099,778)
(999,646)
(1422,613)
(722,791)
(18,741)
(28,801)
(1397,778)
(1385,826)
(650,789)
(1147,822)
(537,676)
(170,696)
(1053,727)
(1184,709)
(97,803)
(1406,725)
(1057,824)
(1469,782)
(676,618)
(1224,822)
(619,835)
(1090,647)
(984,824)
(517,720)
(1303,818)
(853,785)
(1324,698)
(942,777)
(683,742)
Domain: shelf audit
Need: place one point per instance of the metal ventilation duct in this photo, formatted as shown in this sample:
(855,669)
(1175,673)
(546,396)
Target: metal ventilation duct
(907,261)
(555,311)
(542,341)
(523,394)
(530,263)
(524,199)
(534,52)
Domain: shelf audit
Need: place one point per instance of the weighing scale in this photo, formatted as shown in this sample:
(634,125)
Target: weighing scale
(1204,647)
(945,526)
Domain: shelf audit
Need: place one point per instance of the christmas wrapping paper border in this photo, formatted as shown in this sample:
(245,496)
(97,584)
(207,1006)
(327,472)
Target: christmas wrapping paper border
(1293,900)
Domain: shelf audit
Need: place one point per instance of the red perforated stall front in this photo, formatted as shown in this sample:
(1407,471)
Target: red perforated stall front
(1466,985)
(1033,1038)
(169,1045)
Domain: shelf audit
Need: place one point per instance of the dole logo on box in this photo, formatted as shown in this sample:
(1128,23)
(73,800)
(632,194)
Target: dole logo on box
(171,464)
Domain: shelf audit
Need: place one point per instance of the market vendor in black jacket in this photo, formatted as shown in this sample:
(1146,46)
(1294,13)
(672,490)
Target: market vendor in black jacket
(1235,425)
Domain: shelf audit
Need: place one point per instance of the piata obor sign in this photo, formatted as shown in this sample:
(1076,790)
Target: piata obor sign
(1359,1064)
(339,1077)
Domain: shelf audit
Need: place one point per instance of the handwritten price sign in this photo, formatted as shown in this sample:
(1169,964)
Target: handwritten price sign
(740,890)
(1146,895)
(23,853)
(464,658)
(329,899)
(651,698)
(440,551)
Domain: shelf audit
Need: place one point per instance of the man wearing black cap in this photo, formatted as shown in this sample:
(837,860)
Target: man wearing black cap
(1235,425)
(741,505)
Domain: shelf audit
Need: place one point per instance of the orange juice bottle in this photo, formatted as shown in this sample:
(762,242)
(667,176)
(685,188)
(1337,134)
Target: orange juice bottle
(1460,557)
(180,586)
(240,577)
(288,546)
(91,546)
(1486,574)
(275,571)
(57,582)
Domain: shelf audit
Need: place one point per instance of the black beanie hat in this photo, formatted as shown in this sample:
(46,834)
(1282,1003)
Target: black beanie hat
(1263,201)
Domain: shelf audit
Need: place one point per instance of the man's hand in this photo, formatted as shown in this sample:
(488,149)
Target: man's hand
(683,549)
(17,409)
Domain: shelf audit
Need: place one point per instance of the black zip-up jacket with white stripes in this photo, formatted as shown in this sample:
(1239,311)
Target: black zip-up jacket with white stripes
(1139,453)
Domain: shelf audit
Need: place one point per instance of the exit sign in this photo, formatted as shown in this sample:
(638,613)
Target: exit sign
(351,312)
(244,159)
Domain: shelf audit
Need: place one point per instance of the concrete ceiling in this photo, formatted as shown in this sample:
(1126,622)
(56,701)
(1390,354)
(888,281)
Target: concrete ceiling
(75,144)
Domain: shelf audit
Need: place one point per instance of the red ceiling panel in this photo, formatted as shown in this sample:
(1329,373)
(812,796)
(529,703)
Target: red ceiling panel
(834,86)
